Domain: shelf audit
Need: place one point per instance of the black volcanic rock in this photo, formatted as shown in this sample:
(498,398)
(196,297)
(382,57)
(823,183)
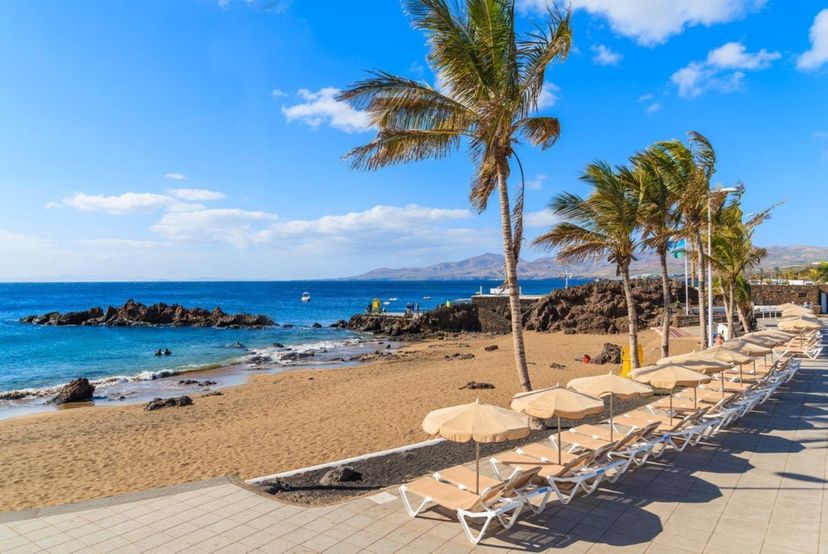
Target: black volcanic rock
(458,318)
(600,307)
(135,314)
(159,403)
(78,390)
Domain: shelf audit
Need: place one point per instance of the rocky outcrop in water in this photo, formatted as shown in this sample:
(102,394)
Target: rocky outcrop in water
(456,319)
(135,314)
(599,307)
(79,390)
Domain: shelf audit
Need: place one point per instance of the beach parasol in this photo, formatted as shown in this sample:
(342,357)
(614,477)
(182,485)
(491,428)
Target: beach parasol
(796,311)
(713,360)
(748,348)
(670,376)
(558,402)
(476,422)
(762,340)
(799,323)
(609,385)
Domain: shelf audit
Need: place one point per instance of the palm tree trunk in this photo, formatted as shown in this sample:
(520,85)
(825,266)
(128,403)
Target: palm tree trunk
(512,283)
(702,289)
(730,303)
(631,316)
(665,285)
(740,310)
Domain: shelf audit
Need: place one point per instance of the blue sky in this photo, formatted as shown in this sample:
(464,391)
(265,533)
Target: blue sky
(200,138)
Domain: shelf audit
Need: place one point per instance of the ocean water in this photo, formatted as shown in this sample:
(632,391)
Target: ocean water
(121,361)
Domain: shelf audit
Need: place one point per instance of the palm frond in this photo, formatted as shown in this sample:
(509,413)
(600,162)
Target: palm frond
(540,49)
(540,131)
(397,146)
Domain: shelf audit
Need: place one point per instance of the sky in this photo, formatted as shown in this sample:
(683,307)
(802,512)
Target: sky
(193,139)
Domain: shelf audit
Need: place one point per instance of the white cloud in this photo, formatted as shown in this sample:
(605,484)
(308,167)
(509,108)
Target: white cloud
(278,93)
(719,71)
(228,225)
(651,22)
(548,96)
(734,55)
(820,134)
(542,218)
(128,202)
(818,54)
(375,229)
(645,97)
(196,195)
(416,68)
(124,244)
(322,107)
(537,182)
(654,107)
(176,200)
(605,56)
(175,176)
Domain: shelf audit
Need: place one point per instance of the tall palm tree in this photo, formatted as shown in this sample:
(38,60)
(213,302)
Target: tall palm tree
(743,303)
(659,222)
(688,168)
(602,225)
(490,84)
(733,252)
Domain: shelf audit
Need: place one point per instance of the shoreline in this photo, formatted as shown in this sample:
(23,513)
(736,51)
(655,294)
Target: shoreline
(145,385)
(273,423)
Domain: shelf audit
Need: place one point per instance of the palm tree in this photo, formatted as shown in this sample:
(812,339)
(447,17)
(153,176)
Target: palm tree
(659,222)
(490,84)
(603,225)
(743,303)
(821,272)
(733,252)
(688,168)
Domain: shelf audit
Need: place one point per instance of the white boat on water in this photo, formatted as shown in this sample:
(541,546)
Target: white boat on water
(393,299)
(306,297)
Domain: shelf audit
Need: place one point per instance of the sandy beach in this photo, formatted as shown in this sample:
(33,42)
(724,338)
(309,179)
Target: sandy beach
(274,422)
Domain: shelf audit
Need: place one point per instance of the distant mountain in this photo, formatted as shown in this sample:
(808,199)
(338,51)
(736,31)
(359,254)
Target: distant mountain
(490,266)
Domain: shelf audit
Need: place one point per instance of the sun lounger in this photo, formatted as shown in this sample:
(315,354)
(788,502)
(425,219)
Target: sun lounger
(521,483)
(634,446)
(582,474)
(495,502)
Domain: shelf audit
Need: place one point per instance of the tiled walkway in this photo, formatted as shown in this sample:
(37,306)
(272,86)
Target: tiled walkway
(759,487)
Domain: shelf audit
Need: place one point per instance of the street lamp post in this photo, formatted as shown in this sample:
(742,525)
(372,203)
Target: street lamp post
(727,190)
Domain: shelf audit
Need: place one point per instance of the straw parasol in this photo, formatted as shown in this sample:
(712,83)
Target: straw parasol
(476,422)
(670,376)
(558,402)
(609,385)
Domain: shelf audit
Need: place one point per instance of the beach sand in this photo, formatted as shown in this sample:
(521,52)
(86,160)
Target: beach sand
(276,422)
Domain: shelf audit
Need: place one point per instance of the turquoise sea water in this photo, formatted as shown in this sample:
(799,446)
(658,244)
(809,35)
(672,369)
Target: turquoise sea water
(33,357)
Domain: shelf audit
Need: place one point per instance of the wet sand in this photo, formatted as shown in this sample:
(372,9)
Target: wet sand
(274,422)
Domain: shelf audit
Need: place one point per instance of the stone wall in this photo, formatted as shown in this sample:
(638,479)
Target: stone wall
(772,295)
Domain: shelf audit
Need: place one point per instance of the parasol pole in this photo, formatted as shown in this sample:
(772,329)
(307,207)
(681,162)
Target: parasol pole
(611,425)
(559,440)
(477,457)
